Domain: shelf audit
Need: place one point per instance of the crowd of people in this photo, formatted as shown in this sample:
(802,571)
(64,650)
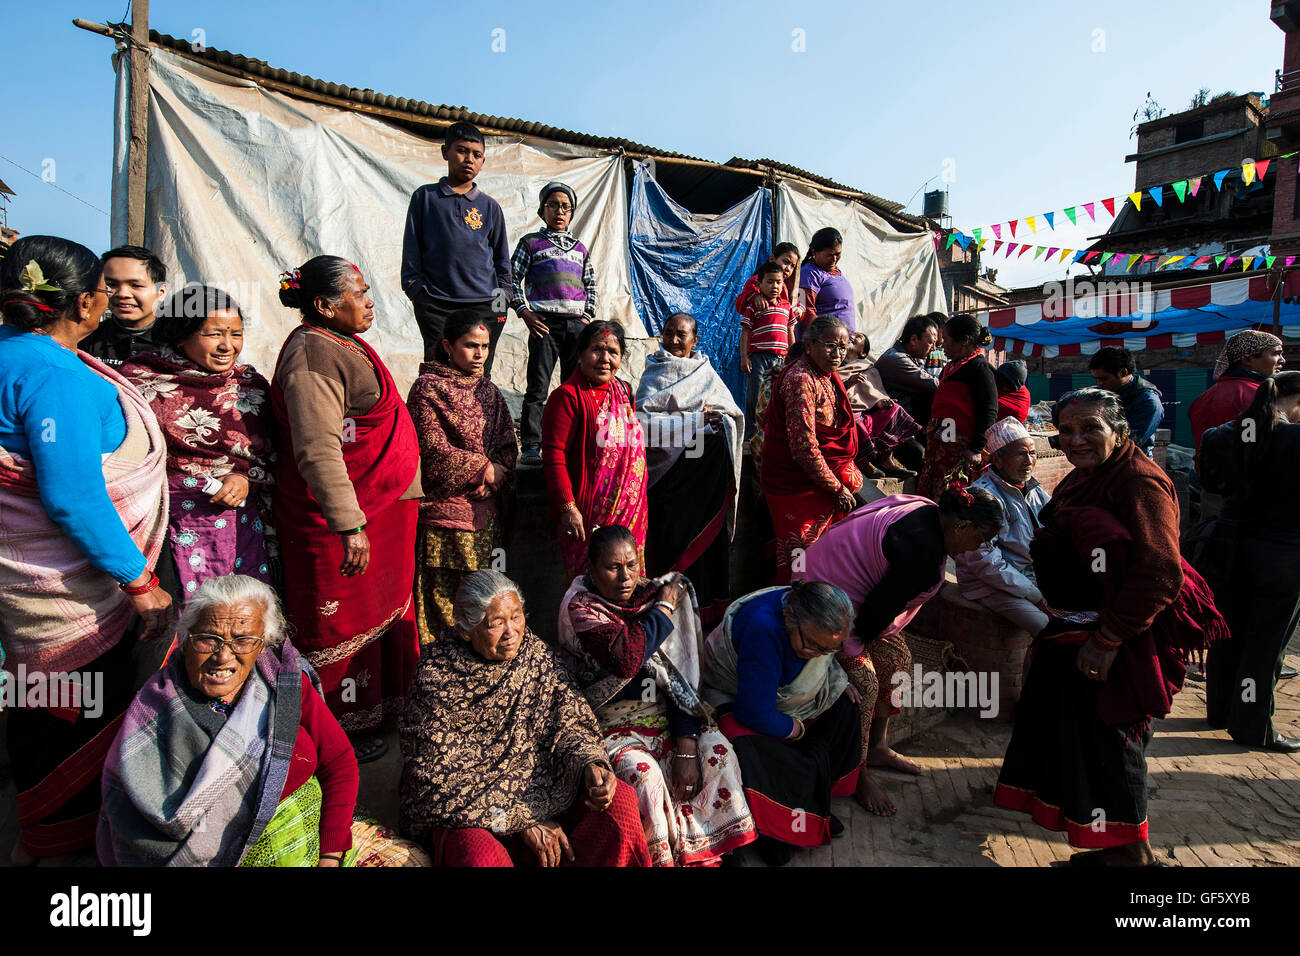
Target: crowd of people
(332,552)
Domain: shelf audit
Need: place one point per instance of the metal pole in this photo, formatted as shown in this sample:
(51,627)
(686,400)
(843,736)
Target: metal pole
(138,121)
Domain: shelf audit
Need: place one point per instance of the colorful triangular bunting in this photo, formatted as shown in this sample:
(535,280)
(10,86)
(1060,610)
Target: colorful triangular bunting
(1218,178)
(1065,254)
(1247,173)
(1038,251)
(997,244)
(1195,184)
(1110,205)
(1136,200)
(1052,251)
(1261,167)
(1089,207)
(1106,257)
(1030,220)
(997,230)
(1180,189)
(1012,224)
(1268,261)
(1158,194)
(1082,254)
(1246,260)
(1051,219)
(1069,214)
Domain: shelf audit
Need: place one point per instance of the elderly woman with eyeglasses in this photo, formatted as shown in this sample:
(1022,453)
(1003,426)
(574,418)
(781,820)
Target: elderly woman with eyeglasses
(503,760)
(788,709)
(228,756)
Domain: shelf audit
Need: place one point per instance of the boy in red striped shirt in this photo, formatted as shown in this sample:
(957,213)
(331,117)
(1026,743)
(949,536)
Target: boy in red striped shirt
(765,332)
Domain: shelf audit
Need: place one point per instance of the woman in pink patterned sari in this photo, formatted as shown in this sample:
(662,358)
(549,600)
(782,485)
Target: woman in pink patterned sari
(216,416)
(593,450)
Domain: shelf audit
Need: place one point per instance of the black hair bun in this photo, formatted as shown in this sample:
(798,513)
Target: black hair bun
(290,297)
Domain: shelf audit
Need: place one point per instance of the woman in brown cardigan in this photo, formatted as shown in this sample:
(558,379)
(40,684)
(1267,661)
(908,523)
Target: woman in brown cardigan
(1126,611)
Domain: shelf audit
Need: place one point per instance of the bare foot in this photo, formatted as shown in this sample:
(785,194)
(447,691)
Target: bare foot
(18,856)
(872,798)
(883,755)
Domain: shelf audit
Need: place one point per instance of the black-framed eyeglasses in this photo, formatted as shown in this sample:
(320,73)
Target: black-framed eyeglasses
(808,645)
(834,347)
(211,644)
(559,207)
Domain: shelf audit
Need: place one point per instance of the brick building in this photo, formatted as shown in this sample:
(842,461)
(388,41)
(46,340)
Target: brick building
(1282,129)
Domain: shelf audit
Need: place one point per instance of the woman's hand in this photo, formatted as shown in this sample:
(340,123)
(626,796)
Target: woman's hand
(713,418)
(234,490)
(601,784)
(845,500)
(571,523)
(672,591)
(333,862)
(853,694)
(356,553)
(884,403)
(1094,660)
(686,780)
(154,607)
(489,478)
(758,302)
(548,841)
(536,327)
(973,458)
(745,367)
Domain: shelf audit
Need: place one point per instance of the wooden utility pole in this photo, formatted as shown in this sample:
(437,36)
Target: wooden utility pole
(138,121)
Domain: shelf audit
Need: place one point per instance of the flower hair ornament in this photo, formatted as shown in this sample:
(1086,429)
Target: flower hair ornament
(290,279)
(32,279)
(958,483)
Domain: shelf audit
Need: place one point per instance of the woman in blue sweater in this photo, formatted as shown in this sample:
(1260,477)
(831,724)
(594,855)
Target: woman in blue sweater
(82,491)
(788,709)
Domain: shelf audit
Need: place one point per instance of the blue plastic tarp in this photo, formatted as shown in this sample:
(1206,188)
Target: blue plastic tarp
(682,262)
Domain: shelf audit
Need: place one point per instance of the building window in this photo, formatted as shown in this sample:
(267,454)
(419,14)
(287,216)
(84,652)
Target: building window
(1186,132)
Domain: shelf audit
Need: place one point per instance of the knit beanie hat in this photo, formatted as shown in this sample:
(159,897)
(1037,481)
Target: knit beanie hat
(558,187)
(1014,373)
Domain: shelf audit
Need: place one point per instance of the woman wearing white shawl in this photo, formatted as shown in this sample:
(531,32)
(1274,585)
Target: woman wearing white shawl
(633,648)
(693,433)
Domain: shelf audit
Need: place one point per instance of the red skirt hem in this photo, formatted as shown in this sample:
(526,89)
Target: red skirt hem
(1081,835)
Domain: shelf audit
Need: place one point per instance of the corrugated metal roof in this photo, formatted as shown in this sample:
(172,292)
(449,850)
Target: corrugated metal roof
(452,114)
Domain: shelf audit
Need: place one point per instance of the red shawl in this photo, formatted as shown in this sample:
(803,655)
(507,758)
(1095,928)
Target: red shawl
(781,474)
(463,424)
(1152,600)
(215,423)
(1014,404)
(952,399)
(381,458)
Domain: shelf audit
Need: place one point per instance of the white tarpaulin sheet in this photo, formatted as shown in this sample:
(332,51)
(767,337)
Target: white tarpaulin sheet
(895,275)
(245,182)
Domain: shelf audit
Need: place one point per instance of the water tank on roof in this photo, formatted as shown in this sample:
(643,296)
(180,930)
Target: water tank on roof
(936,204)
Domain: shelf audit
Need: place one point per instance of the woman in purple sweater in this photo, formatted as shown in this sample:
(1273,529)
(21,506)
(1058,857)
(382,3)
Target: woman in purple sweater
(824,288)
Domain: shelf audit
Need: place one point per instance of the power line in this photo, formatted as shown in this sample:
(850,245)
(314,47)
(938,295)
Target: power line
(55,185)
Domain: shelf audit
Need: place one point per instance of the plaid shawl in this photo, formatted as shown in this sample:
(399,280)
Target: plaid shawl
(204,803)
(463,423)
(59,611)
(500,745)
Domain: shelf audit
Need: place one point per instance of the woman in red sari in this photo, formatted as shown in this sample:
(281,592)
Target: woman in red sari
(809,443)
(593,450)
(346,490)
(965,406)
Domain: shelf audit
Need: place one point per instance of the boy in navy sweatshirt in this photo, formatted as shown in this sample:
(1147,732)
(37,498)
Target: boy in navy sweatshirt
(454,251)
(555,294)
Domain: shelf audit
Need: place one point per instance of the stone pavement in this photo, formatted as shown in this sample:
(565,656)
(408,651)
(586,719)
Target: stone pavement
(1212,803)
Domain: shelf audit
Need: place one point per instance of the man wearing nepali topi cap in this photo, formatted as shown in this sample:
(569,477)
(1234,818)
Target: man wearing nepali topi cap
(1000,573)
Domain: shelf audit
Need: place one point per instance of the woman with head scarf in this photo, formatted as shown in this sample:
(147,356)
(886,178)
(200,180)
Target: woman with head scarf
(1247,359)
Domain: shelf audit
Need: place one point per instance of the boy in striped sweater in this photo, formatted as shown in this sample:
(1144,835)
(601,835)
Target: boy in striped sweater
(555,294)
(764,331)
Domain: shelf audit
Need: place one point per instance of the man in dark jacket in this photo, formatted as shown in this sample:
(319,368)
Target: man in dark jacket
(1113,368)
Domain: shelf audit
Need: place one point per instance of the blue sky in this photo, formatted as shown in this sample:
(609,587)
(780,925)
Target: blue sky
(1028,105)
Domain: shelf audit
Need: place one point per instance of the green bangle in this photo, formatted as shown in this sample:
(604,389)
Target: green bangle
(354,530)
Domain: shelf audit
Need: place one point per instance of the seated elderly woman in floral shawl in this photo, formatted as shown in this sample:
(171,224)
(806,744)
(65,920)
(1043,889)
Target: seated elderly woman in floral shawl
(693,434)
(228,756)
(503,763)
(633,646)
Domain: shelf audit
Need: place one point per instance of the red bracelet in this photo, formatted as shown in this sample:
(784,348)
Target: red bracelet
(1105,641)
(139,589)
